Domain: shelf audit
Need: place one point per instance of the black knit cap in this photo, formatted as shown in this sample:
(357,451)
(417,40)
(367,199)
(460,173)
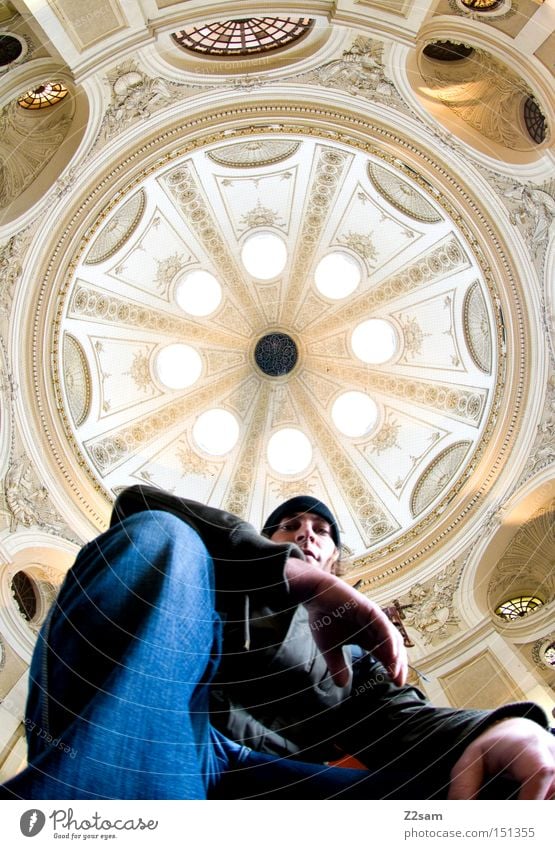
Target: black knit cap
(301,504)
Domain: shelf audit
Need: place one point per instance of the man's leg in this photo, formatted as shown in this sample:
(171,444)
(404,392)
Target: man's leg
(118,704)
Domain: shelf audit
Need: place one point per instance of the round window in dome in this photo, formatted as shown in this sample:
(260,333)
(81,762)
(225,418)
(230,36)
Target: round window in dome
(178,366)
(289,451)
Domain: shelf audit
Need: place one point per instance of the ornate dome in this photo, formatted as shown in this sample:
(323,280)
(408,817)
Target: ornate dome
(432,382)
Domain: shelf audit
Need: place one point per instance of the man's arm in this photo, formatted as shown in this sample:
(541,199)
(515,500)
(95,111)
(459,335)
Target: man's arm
(339,615)
(517,748)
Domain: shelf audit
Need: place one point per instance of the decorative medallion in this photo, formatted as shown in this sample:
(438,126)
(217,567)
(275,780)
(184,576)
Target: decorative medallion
(276,354)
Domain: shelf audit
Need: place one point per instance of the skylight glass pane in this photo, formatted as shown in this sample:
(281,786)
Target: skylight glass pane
(198,293)
(178,366)
(337,275)
(375,341)
(354,413)
(264,255)
(216,431)
(289,451)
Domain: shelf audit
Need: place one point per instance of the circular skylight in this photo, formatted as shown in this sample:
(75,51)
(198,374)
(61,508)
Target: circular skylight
(178,366)
(289,451)
(264,255)
(337,275)
(198,293)
(354,413)
(216,431)
(374,341)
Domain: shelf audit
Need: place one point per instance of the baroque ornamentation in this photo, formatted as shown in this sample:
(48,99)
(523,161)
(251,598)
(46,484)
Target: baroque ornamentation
(362,244)
(360,70)
(432,608)
(261,216)
(484,93)
(456,401)
(242,483)
(476,328)
(11,255)
(437,476)
(527,563)
(28,145)
(118,230)
(330,167)
(27,500)
(98,305)
(253,154)
(386,437)
(372,516)
(182,183)
(446,258)
(77,379)
(135,96)
(401,194)
(108,452)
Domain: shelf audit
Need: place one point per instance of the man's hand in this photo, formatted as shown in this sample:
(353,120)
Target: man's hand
(517,748)
(340,615)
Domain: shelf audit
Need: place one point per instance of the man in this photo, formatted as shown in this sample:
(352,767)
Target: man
(123,671)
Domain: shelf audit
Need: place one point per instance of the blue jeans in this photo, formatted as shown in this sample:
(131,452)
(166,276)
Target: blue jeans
(119,686)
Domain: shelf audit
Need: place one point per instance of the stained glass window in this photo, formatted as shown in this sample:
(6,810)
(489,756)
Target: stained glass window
(242,36)
(534,120)
(516,608)
(42,96)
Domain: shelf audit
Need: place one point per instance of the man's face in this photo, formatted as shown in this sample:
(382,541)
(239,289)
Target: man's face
(313,536)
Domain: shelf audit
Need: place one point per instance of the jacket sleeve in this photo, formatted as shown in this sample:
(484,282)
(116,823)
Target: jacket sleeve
(381,723)
(244,560)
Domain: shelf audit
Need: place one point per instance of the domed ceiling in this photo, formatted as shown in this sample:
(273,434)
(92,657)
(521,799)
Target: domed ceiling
(377,298)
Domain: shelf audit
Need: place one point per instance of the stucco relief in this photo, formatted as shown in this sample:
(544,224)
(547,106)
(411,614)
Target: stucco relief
(526,567)
(12,253)
(542,454)
(134,96)
(242,483)
(184,186)
(27,501)
(27,144)
(431,608)
(330,166)
(484,93)
(360,70)
(371,514)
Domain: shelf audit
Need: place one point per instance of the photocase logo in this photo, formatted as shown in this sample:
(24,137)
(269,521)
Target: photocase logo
(32,822)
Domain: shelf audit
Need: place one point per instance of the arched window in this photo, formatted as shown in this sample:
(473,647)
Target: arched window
(242,36)
(534,120)
(43,96)
(447,51)
(516,608)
